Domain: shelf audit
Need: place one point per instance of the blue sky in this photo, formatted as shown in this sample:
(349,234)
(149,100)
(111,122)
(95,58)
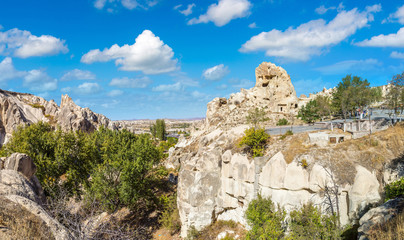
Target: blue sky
(137,59)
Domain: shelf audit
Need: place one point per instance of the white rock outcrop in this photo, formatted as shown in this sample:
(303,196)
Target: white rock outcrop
(19,185)
(273,92)
(22,108)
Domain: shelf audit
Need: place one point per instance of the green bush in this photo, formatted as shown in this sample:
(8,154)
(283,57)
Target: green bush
(309,223)
(124,178)
(265,219)
(119,162)
(254,141)
(394,189)
(282,122)
(57,155)
(170,217)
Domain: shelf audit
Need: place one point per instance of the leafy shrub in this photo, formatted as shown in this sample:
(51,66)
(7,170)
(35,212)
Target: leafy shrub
(122,179)
(192,233)
(305,163)
(265,219)
(254,141)
(394,189)
(287,133)
(282,122)
(309,223)
(119,162)
(170,217)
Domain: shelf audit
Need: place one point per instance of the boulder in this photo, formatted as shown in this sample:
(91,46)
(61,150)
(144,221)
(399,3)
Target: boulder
(21,163)
(380,215)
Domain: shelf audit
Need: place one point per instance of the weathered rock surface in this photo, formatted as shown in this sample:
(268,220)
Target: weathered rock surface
(19,185)
(273,92)
(217,181)
(380,215)
(22,108)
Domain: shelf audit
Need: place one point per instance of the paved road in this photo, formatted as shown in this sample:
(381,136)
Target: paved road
(296,129)
(376,115)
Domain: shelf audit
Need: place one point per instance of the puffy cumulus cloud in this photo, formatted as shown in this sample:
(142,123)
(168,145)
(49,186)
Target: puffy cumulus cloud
(23,44)
(310,38)
(350,65)
(176,87)
(397,16)
(187,11)
(215,73)
(223,12)
(128,4)
(8,71)
(390,40)
(130,82)
(115,93)
(83,89)
(77,74)
(38,80)
(148,54)
(88,88)
(399,55)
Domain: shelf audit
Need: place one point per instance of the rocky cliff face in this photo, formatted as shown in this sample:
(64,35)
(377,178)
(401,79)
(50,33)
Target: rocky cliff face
(217,181)
(22,197)
(273,92)
(21,108)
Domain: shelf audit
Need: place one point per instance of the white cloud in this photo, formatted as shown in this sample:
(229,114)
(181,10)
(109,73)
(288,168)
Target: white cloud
(310,38)
(252,25)
(130,82)
(128,4)
(88,88)
(38,80)
(350,66)
(223,12)
(399,55)
(148,54)
(115,93)
(390,40)
(77,74)
(322,9)
(8,71)
(221,87)
(397,16)
(187,11)
(168,88)
(215,73)
(23,44)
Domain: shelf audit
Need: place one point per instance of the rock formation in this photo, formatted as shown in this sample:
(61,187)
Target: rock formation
(273,92)
(380,215)
(217,180)
(19,185)
(22,108)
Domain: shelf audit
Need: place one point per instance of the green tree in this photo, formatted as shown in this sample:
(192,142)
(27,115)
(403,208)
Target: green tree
(395,94)
(265,219)
(352,93)
(308,113)
(256,116)
(158,130)
(124,176)
(309,223)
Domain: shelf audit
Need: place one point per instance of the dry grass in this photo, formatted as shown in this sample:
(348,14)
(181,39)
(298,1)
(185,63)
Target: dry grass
(391,230)
(295,147)
(17,223)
